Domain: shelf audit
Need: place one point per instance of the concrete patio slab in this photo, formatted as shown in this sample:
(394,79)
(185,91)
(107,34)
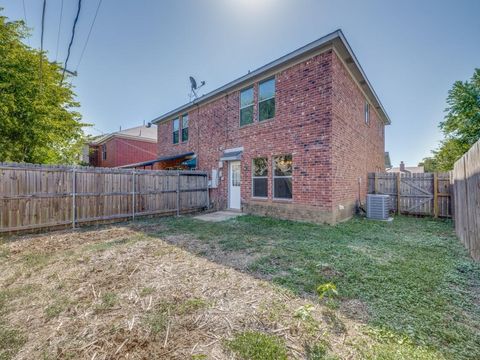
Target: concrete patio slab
(219,216)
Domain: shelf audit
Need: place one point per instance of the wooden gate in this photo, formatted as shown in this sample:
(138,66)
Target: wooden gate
(418,194)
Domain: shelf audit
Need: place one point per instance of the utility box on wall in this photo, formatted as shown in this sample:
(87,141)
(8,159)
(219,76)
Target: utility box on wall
(213,182)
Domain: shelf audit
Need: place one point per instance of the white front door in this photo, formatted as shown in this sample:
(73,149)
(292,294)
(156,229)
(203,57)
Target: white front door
(234,185)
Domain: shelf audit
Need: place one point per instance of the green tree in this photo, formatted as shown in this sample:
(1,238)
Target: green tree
(38,123)
(462,121)
(461,125)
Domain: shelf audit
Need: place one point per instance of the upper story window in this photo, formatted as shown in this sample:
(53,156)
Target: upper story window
(266,99)
(176,130)
(246,106)
(260,177)
(282,177)
(104,151)
(185,127)
(367,113)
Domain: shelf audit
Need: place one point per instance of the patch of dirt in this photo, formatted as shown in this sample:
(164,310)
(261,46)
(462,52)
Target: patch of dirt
(239,260)
(99,296)
(355,309)
(329,271)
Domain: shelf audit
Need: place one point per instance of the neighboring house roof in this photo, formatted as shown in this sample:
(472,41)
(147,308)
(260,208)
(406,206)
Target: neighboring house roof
(142,133)
(408,169)
(163,158)
(335,39)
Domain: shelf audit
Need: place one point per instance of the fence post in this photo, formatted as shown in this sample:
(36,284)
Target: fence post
(435,195)
(74,205)
(375,183)
(133,194)
(208,193)
(178,193)
(398,192)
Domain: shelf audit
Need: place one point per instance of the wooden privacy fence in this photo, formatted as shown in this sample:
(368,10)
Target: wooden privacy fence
(34,196)
(416,194)
(466,191)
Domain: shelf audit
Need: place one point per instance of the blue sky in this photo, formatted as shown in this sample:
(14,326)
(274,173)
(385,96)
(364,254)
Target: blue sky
(141,53)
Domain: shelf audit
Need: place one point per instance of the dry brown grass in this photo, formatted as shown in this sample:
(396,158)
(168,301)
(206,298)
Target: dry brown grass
(114,292)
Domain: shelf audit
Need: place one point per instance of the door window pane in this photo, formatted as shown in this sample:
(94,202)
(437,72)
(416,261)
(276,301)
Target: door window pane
(235,174)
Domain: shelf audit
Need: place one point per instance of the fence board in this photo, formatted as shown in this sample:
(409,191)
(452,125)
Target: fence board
(33,196)
(424,194)
(466,188)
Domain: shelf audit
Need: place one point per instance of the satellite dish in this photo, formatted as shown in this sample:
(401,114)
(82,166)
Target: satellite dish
(193,82)
(194,87)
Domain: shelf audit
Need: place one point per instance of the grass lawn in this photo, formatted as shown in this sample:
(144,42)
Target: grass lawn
(409,281)
(245,288)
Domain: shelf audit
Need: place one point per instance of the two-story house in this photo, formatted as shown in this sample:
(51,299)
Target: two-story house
(293,139)
(124,147)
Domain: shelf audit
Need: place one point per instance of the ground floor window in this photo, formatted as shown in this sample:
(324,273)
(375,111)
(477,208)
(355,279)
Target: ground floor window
(282,177)
(260,177)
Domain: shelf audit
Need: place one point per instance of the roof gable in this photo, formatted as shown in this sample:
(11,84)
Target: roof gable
(335,39)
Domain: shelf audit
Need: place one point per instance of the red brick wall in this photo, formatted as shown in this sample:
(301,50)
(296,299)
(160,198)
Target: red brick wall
(301,127)
(358,147)
(122,151)
(307,124)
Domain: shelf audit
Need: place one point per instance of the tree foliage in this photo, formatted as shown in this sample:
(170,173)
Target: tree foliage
(461,125)
(38,121)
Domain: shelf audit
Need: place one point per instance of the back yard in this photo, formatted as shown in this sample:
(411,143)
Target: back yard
(245,288)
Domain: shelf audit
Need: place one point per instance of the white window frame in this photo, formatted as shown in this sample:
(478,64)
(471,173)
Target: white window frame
(243,107)
(271,97)
(281,177)
(258,177)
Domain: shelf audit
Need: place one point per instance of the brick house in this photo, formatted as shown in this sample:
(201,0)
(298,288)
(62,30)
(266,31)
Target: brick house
(293,139)
(124,147)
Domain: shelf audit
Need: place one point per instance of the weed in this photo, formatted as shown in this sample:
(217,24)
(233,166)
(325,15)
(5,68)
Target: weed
(304,312)
(11,340)
(4,252)
(254,345)
(328,290)
(157,318)
(35,260)
(109,244)
(56,308)
(335,323)
(318,351)
(191,305)
(108,301)
(147,290)
(199,357)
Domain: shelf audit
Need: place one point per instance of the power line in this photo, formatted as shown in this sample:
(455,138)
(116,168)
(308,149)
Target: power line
(89,32)
(25,18)
(59,27)
(41,38)
(71,39)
